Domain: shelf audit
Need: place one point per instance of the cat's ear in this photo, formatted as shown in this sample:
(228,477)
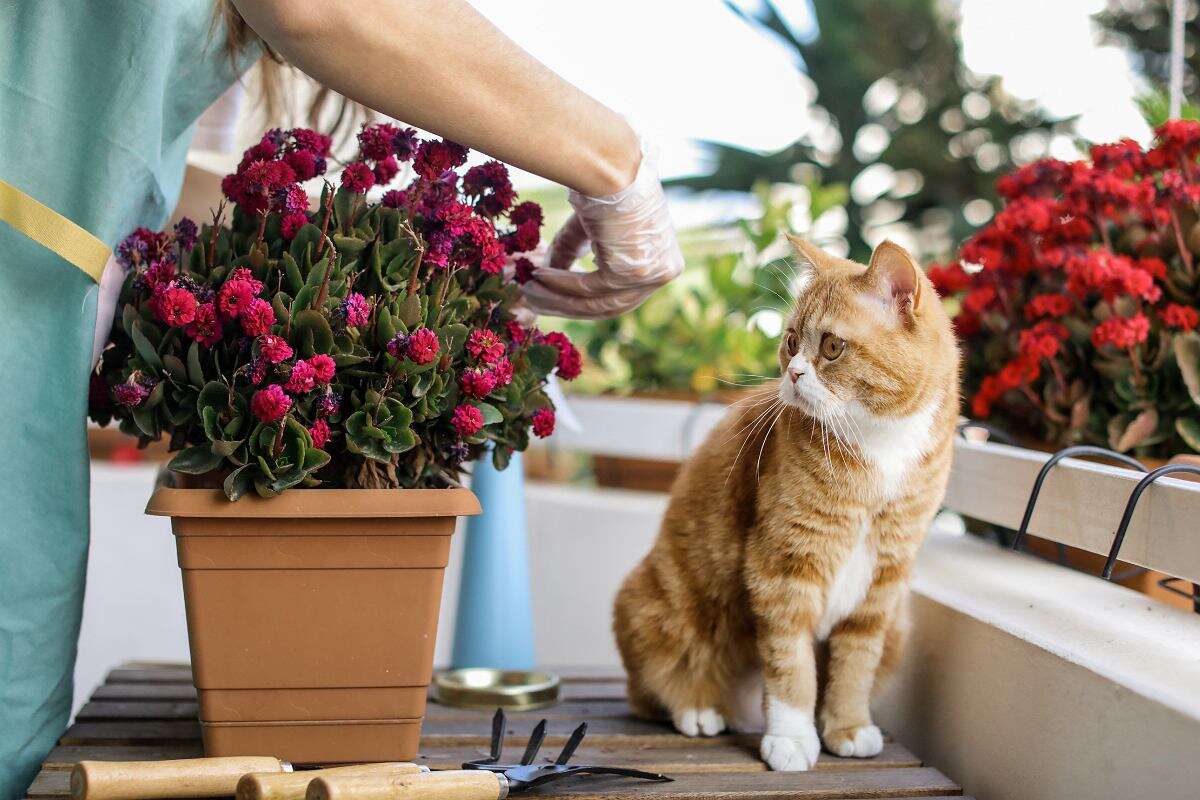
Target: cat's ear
(895,278)
(811,260)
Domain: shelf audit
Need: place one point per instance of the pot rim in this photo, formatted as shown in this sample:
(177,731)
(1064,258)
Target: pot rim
(315,503)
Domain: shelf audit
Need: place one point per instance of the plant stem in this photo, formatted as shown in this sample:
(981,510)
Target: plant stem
(325,221)
(324,292)
(1184,254)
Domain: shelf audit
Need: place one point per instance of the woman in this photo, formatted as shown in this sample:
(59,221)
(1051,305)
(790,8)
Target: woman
(97,105)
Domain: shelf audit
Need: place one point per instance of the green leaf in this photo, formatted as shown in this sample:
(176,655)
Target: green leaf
(175,367)
(456,338)
(542,358)
(291,272)
(349,245)
(195,373)
(1187,355)
(1189,430)
(299,250)
(311,330)
(144,419)
(144,349)
(196,460)
(214,394)
(501,456)
(410,311)
(237,483)
(491,414)
(226,447)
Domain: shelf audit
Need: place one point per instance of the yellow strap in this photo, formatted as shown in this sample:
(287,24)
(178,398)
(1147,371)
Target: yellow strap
(53,231)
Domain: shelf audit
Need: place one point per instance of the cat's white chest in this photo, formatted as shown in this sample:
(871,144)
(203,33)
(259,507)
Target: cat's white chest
(849,585)
(893,446)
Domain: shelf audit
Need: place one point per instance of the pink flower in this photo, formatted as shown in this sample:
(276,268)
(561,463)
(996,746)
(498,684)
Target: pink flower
(274,348)
(502,371)
(132,395)
(234,297)
(177,307)
(320,433)
(355,310)
(357,177)
(1121,332)
(328,404)
(304,163)
(244,274)
(543,422)
(394,198)
(485,345)
(490,184)
(423,346)
(291,224)
(159,273)
(516,333)
(302,378)
(270,404)
(570,362)
(477,383)
(323,367)
(206,327)
(467,420)
(258,317)
(375,141)
(385,170)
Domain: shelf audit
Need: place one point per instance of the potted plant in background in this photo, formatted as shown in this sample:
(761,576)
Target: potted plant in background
(366,348)
(1078,304)
(712,334)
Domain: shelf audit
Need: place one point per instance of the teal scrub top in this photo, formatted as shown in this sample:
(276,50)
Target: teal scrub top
(98,101)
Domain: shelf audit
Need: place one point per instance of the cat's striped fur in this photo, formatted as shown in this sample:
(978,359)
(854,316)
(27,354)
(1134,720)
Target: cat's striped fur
(783,559)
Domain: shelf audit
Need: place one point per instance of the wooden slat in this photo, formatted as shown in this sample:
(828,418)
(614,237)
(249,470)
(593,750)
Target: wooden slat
(172,674)
(145,691)
(132,732)
(570,710)
(66,756)
(672,760)
(138,709)
(1081,504)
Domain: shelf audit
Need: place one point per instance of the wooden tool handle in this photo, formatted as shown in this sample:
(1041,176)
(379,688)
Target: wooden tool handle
(293,785)
(151,780)
(465,784)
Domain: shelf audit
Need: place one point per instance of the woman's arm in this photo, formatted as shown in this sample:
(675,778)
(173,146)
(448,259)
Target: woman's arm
(439,65)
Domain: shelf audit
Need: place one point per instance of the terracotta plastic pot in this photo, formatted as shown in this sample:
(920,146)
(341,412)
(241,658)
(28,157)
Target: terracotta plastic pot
(312,616)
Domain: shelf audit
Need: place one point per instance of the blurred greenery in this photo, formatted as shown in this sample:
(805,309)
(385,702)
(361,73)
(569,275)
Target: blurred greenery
(717,326)
(1143,28)
(893,96)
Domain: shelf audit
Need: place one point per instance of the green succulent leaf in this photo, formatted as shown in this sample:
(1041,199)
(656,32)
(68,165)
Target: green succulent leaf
(145,350)
(175,368)
(311,330)
(194,371)
(196,460)
(237,483)
(1187,355)
(1188,429)
(491,414)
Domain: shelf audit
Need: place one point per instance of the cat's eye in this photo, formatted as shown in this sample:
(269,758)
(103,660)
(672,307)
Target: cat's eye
(792,343)
(832,346)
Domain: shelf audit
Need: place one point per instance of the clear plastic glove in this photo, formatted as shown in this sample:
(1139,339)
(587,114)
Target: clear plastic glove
(633,241)
(106,305)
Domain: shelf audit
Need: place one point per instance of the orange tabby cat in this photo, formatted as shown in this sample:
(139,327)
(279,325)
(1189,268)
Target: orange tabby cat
(786,548)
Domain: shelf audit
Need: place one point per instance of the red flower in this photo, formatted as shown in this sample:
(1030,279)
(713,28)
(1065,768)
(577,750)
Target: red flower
(502,371)
(319,433)
(176,307)
(1121,332)
(485,345)
(357,177)
(205,328)
(270,404)
(467,420)
(490,184)
(435,157)
(422,346)
(516,333)
(304,163)
(375,141)
(949,279)
(477,383)
(274,349)
(977,300)
(258,317)
(1048,305)
(570,362)
(523,270)
(385,170)
(290,224)
(1042,340)
(235,296)
(1179,316)
(543,422)
(323,367)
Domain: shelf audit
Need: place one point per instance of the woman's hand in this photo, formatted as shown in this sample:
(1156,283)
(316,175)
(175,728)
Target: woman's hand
(633,241)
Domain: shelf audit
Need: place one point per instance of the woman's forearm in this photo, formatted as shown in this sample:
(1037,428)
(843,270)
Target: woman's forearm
(439,65)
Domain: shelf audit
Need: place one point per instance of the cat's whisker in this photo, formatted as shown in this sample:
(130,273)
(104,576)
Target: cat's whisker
(763,446)
(745,428)
(758,422)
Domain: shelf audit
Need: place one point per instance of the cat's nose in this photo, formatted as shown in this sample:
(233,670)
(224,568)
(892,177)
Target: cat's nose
(795,374)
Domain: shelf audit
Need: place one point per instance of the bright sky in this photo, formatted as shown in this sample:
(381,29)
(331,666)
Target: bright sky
(689,69)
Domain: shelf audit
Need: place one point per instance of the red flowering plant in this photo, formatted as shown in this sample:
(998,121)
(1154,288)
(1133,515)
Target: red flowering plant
(361,345)
(1078,302)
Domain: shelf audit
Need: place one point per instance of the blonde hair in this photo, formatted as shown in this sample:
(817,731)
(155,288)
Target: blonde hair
(274,75)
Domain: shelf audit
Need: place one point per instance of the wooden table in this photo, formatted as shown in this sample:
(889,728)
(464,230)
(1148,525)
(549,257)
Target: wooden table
(148,711)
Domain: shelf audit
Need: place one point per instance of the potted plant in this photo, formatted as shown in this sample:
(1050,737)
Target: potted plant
(711,335)
(366,348)
(1078,304)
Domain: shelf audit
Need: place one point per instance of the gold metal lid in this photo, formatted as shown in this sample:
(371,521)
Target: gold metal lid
(487,689)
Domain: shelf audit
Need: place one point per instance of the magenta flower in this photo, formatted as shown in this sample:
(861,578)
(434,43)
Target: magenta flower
(323,367)
(394,198)
(304,163)
(570,362)
(290,224)
(385,170)
(490,184)
(356,311)
(131,394)
(258,317)
(477,383)
(502,371)
(375,141)
(435,157)
(177,307)
(328,404)
(185,234)
(485,345)
(235,297)
(270,404)
(526,212)
(543,422)
(303,378)
(307,139)
(523,270)
(274,348)
(404,144)
(357,177)
(423,346)
(244,274)
(320,433)
(206,327)
(467,420)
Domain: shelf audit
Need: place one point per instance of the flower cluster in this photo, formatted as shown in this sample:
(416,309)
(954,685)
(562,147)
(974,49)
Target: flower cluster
(352,344)
(1078,302)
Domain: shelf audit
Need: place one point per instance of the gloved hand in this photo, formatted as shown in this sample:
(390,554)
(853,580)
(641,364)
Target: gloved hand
(106,305)
(635,250)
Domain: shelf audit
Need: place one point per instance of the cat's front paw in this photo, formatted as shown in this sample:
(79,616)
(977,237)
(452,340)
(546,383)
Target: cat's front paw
(698,722)
(862,741)
(790,753)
